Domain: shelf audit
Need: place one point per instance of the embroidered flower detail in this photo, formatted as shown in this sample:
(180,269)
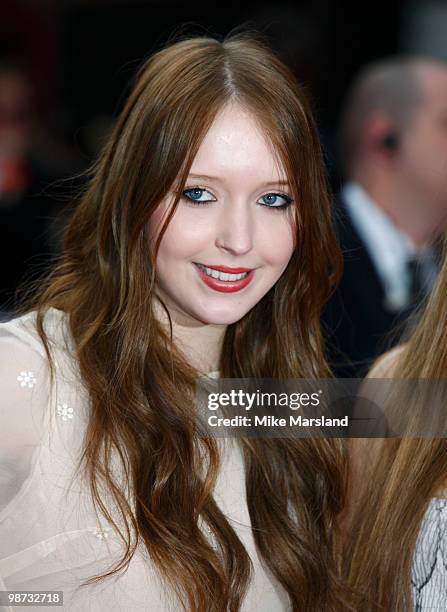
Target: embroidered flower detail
(26,379)
(102,533)
(64,411)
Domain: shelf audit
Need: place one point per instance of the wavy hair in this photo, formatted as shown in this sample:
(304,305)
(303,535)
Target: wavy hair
(106,283)
(403,473)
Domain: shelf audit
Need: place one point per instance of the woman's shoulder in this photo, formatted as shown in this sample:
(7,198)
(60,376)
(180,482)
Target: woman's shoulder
(24,400)
(23,355)
(385,366)
(23,329)
(25,378)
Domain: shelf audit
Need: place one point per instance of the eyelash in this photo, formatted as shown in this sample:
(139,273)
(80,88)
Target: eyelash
(288,199)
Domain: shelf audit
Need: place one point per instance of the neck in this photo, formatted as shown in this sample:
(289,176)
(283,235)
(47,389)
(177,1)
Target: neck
(200,343)
(410,212)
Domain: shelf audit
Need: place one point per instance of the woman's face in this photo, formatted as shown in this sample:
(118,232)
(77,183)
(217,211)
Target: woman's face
(232,234)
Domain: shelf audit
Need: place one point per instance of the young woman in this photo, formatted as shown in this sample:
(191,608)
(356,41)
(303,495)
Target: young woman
(203,243)
(397,537)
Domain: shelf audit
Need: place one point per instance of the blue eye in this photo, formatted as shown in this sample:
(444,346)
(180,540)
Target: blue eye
(275,200)
(198,195)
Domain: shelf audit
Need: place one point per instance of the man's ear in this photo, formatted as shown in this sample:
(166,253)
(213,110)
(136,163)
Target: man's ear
(390,141)
(380,138)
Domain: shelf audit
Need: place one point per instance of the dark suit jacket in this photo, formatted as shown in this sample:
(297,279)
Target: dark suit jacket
(357,324)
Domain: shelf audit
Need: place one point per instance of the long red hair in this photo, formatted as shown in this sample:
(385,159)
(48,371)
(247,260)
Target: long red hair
(105,283)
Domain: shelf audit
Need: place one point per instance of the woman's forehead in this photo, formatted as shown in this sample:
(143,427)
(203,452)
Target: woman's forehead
(236,148)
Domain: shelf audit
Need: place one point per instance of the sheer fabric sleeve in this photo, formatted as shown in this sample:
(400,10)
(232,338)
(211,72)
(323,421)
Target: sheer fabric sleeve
(24,395)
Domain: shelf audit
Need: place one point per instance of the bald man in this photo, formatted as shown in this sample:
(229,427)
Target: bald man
(392,207)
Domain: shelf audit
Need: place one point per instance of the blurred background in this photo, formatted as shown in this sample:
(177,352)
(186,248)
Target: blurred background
(65,67)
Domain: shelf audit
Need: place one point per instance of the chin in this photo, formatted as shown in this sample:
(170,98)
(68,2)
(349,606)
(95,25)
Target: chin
(223,318)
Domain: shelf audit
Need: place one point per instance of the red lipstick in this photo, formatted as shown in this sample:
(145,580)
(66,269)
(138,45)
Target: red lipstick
(225,286)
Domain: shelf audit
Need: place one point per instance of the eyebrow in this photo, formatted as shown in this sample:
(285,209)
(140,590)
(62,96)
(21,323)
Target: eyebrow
(207,177)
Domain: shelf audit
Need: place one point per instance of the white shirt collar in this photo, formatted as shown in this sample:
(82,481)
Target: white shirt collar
(389,248)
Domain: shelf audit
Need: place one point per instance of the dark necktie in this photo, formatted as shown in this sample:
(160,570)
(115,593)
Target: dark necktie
(416,281)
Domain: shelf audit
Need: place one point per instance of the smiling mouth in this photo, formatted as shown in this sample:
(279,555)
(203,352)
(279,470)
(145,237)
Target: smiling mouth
(222,273)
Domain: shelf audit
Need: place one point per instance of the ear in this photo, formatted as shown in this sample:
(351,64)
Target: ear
(380,139)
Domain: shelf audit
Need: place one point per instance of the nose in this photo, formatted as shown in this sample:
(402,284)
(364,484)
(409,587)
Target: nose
(235,228)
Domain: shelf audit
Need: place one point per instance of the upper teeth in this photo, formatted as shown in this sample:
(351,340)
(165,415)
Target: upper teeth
(223,276)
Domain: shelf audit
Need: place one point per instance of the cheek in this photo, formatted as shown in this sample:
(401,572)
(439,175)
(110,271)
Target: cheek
(185,236)
(277,242)
(157,219)
(423,148)
(426,161)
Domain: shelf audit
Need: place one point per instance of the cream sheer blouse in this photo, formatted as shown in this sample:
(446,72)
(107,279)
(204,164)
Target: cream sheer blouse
(50,536)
